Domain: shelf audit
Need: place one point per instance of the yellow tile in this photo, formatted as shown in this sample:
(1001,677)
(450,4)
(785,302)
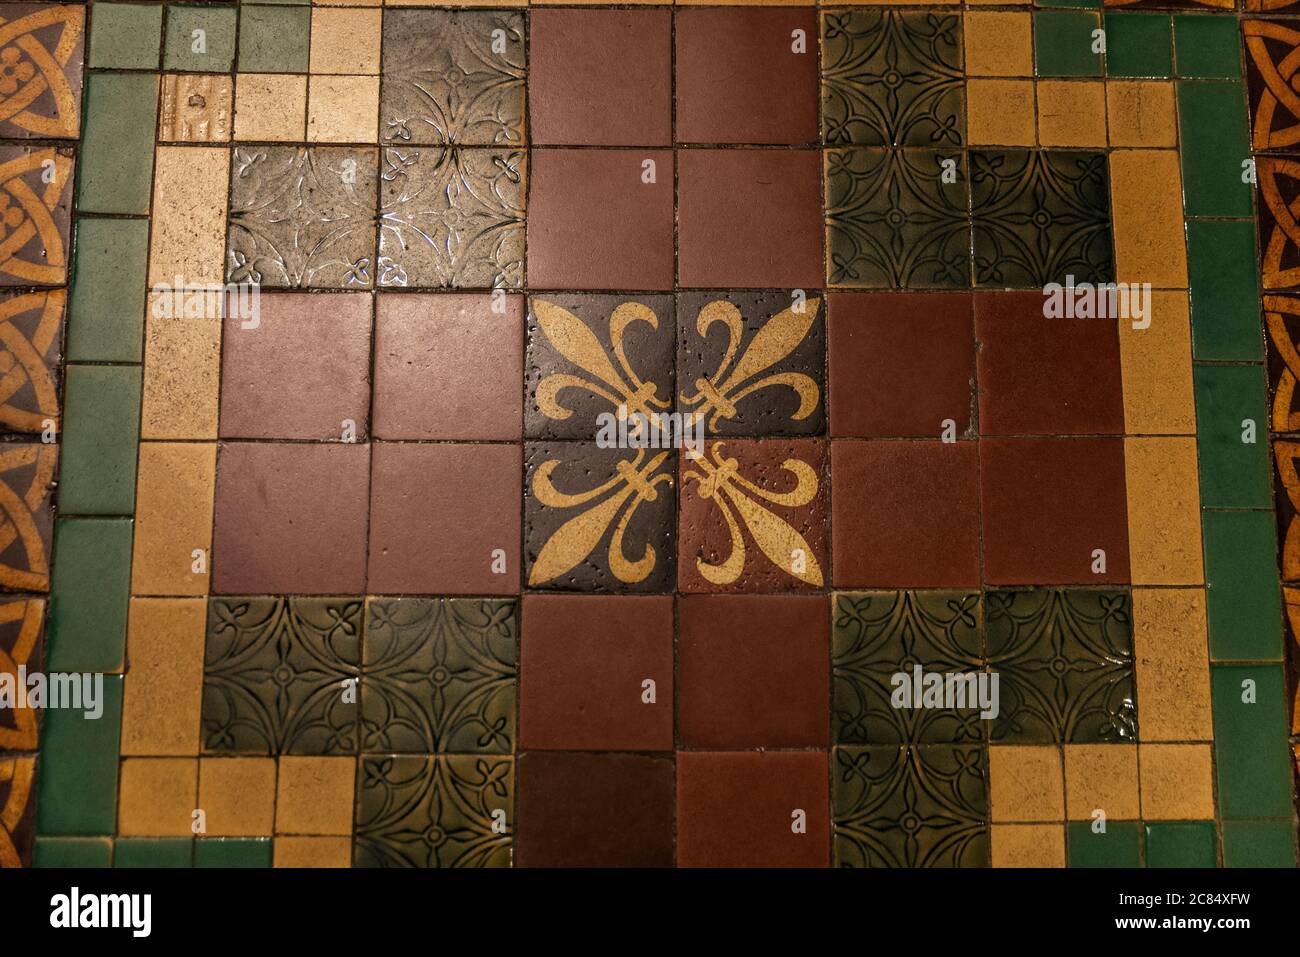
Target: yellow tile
(1028,845)
(156,797)
(270,107)
(1173,671)
(345,40)
(196,108)
(163,688)
(1147,212)
(1164,510)
(1025,783)
(1072,113)
(187,246)
(1000,112)
(237,796)
(1157,369)
(998,43)
(1141,113)
(173,518)
(182,368)
(315,795)
(1101,776)
(1177,782)
(313,852)
(343,109)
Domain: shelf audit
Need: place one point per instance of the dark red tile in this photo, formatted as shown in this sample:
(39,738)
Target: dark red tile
(900,364)
(1040,376)
(594,223)
(740,78)
(585,662)
(448,367)
(742,809)
(1048,504)
(749,218)
(905,514)
(278,380)
(600,77)
(753,671)
(594,810)
(290,518)
(444,519)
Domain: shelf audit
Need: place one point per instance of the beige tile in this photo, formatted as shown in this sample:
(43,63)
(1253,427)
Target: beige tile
(163,689)
(1141,113)
(1157,369)
(1177,782)
(999,43)
(1025,783)
(345,40)
(1164,510)
(1000,112)
(196,108)
(1101,776)
(1147,210)
(173,518)
(182,368)
(1173,671)
(188,226)
(156,797)
(313,852)
(237,796)
(1028,845)
(315,795)
(343,109)
(1072,113)
(270,107)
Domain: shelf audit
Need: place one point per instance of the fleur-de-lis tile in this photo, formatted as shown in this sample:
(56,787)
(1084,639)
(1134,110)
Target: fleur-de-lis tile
(752,363)
(41,49)
(35,215)
(31,326)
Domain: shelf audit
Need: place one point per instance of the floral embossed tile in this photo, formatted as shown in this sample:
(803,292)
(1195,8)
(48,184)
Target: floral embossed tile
(35,215)
(41,51)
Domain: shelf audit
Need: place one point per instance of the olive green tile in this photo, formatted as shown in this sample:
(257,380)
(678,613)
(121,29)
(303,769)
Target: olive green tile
(1181,844)
(1243,596)
(232,852)
(1230,412)
(1259,843)
(1213,145)
(116,161)
(1224,291)
(1064,42)
(154,852)
(1120,845)
(1206,46)
(106,306)
(1251,753)
(200,39)
(125,36)
(101,429)
(89,594)
(1138,45)
(78,852)
(77,790)
(274,39)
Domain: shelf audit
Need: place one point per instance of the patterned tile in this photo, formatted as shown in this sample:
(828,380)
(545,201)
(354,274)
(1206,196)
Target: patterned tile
(31,330)
(41,50)
(196,108)
(35,215)
(17,811)
(1271,69)
(1278,179)
(21,622)
(26,484)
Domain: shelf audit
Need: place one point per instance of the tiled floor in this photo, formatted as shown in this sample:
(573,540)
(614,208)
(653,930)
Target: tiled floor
(367,591)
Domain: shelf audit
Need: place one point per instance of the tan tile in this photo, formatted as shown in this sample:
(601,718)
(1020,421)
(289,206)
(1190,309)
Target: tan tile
(156,797)
(196,108)
(1025,783)
(187,245)
(182,368)
(343,109)
(314,795)
(1177,782)
(345,40)
(1072,113)
(998,43)
(1173,672)
(163,689)
(1028,845)
(1101,776)
(1147,211)
(270,107)
(1141,113)
(1164,510)
(1157,369)
(313,852)
(237,796)
(1000,112)
(173,518)
(348,3)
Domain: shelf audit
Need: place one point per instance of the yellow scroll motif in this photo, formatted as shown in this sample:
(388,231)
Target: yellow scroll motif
(29,614)
(1291,597)
(1285,233)
(28,69)
(16,776)
(26,212)
(18,516)
(1279,104)
(24,360)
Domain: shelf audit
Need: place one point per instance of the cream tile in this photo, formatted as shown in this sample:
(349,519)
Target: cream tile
(1177,782)
(1000,112)
(1142,113)
(345,40)
(163,688)
(1164,511)
(1028,845)
(237,796)
(156,797)
(1157,369)
(1025,783)
(315,795)
(313,852)
(1072,113)
(998,43)
(196,108)
(343,109)
(173,518)
(270,107)
(1173,671)
(187,246)
(1101,776)
(1147,213)
(182,368)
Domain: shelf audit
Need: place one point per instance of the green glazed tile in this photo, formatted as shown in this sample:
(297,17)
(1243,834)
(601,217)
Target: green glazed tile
(1252,756)
(153,852)
(232,852)
(1243,597)
(1119,846)
(78,770)
(1224,291)
(125,36)
(274,39)
(89,594)
(1138,45)
(1181,844)
(101,429)
(1207,46)
(218,39)
(116,161)
(1259,843)
(106,309)
(1214,144)
(78,852)
(1234,473)
(1063,42)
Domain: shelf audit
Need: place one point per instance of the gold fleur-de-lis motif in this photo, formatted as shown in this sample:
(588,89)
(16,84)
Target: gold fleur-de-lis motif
(776,340)
(616,499)
(720,480)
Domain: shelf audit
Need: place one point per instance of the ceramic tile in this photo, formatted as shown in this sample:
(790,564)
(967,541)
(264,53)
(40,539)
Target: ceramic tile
(1141,114)
(270,107)
(232,852)
(1064,44)
(1278,195)
(1206,47)
(1182,844)
(1026,783)
(1101,777)
(35,213)
(315,795)
(17,811)
(199,39)
(1230,414)
(163,689)
(1138,44)
(87,852)
(182,371)
(1173,675)
(32,325)
(341,109)
(996,113)
(1225,292)
(107,301)
(1177,781)
(26,482)
(1120,845)
(998,43)
(1164,511)
(331,852)
(1259,843)
(168,852)
(1027,845)
(41,98)
(1215,142)
(237,795)
(21,646)
(79,768)
(196,108)
(126,36)
(1251,761)
(173,506)
(186,244)
(1244,607)
(1269,56)
(345,41)
(1072,113)
(157,797)
(1156,363)
(102,405)
(116,160)
(274,39)
(88,595)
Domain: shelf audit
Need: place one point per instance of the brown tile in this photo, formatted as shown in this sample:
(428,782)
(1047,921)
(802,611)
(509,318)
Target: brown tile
(163,689)
(1148,223)
(1072,113)
(1173,671)
(1025,783)
(313,851)
(21,646)
(1157,370)
(580,89)
(196,108)
(49,41)
(1101,776)
(277,381)
(749,218)
(33,329)
(345,41)
(594,810)
(237,796)
(27,484)
(314,795)
(740,809)
(343,109)
(270,106)
(182,371)
(1177,781)
(444,519)
(1028,845)
(37,227)
(1164,515)
(595,222)
(596,673)
(156,797)
(1000,112)
(17,810)
(173,518)
(1141,113)
(998,43)
(290,519)
(188,229)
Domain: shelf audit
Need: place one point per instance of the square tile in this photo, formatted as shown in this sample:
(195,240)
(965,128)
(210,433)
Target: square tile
(1119,845)
(173,518)
(1065,43)
(580,90)
(1225,291)
(751,671)
(1072,113)
(1164,515)
(274,39)
(1244,608)
(453,77)
(116,173)
(127,36)
(199,39)
(314,795)
(345,40)
(595,810)
(196,108)
(106,303)
(1026,783)
(905,514)
(1231,416)
(996,114)
(21,646)
(1215,142)
(1181,844)
(1138,44)
(162,693)
(342,109)
(88,595)
(102,408)
(444,519)
(1173,672)
(157,797)
(1141,113)
(79,768)
(452,217)
(1177,781)
(290,518)
(270,107)
(1102,777)
(237,795)
(36,212)
(1027,845)
(998,43)
(1206,46)
(601,219)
